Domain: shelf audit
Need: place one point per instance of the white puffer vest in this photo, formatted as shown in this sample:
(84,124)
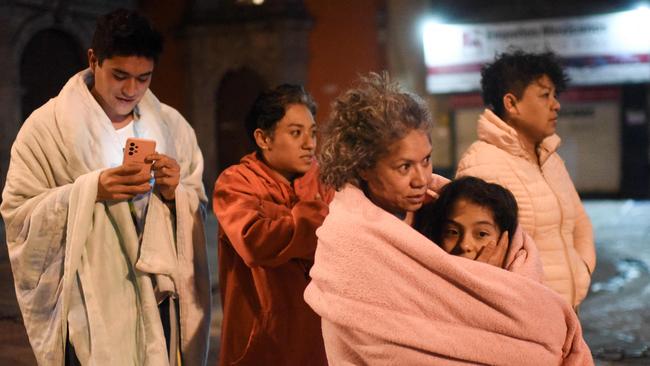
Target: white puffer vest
(549,206)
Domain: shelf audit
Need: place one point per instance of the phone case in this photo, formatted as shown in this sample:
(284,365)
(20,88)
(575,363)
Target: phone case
(137,149)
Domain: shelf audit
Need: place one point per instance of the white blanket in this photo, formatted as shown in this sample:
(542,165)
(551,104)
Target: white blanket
(79,268)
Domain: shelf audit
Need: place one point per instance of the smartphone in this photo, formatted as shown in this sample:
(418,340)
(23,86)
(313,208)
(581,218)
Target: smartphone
(137,149)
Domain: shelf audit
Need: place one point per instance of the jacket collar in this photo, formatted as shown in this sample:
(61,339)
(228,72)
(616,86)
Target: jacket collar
(495,131)
(300,185)
(253,162)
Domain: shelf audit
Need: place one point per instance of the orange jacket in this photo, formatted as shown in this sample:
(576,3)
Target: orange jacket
(267,240)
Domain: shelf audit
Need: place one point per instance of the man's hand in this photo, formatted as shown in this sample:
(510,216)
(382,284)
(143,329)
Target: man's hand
(495,253)
(123,182)
(167,173)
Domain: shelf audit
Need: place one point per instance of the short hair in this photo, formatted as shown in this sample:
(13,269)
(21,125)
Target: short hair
(126,33)
(270,106)
(513,72)
(431,219)
(364,121)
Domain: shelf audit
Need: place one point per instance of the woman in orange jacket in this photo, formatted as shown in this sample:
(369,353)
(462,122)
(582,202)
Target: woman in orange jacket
(269,207)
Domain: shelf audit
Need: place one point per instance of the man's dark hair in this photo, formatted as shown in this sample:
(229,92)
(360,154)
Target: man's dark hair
(270,106)
(513,72)
(431,219)
(126,33)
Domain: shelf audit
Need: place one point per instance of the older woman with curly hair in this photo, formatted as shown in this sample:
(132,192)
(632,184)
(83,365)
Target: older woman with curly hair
(388,295)
(378,140)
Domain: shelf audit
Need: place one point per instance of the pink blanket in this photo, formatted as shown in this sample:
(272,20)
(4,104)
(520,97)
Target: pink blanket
(523,257)
(389,296)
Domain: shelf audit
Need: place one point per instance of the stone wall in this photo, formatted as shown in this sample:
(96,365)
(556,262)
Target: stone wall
(275,47)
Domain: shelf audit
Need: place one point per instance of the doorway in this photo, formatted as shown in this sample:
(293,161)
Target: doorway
(235,96)
(49,59)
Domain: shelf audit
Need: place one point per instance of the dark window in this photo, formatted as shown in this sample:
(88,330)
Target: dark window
(237,91)
(50,58)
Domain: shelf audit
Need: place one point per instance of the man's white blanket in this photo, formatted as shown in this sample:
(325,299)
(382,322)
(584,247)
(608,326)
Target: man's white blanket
(81,273)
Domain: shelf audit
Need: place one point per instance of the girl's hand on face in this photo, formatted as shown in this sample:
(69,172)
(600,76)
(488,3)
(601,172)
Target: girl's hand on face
(495,253)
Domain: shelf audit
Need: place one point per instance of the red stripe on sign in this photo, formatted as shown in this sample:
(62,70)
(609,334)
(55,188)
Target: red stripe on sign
(604,60)
(581,61)
(454,69)
(473,100)
(590,94)
(573,95)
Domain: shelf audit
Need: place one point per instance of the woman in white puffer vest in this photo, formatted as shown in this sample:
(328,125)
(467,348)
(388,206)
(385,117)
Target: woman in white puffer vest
(516,148)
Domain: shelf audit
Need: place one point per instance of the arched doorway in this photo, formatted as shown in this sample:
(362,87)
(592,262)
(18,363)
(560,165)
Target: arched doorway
(49,59)
(235,95)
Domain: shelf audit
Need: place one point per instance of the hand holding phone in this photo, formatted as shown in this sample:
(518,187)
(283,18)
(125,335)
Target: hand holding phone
(132,177)
(167,174)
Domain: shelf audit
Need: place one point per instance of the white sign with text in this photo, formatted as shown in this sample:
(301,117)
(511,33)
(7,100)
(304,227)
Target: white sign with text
(596,50)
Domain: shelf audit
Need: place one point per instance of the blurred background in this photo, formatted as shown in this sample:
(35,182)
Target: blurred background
(220,53)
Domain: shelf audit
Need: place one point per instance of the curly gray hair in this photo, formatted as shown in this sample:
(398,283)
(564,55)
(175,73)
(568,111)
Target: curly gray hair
(365,120)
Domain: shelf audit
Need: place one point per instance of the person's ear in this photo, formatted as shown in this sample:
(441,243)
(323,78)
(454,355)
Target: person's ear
(92,60)
(262,139)
(510,104)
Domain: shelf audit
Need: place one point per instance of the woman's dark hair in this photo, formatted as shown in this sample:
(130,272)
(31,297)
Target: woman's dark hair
(270,106)
(126,33)
(431,219)
(513,72)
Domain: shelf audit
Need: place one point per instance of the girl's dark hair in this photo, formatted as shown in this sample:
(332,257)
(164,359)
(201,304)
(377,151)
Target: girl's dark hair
(126,33)
(431,219)
(270,106)
(513,72)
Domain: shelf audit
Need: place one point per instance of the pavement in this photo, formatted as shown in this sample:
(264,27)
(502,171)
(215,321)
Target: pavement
(615,316)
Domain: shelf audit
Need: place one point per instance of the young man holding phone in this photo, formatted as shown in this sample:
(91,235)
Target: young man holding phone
(108,256)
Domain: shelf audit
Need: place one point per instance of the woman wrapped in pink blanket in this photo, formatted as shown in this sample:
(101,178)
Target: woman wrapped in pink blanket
(388,295)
